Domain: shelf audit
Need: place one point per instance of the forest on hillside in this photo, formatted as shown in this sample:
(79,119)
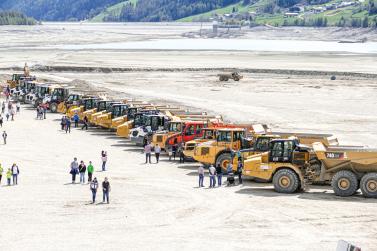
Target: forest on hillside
(166,10)
(57,10)
(15,18)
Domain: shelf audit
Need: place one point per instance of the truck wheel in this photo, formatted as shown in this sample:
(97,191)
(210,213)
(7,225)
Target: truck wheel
(236,79)
(368,185)
(344,183)
(223,160)
(226,78)
(286,181)
(221,78)
(53,107)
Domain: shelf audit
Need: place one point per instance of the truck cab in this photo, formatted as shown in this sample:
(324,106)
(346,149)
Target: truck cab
(147,125)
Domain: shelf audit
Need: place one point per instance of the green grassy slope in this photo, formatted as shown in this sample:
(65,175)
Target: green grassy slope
(277,19)
(115,9)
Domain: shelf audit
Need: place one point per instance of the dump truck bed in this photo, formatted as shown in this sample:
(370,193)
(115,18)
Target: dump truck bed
(357,158)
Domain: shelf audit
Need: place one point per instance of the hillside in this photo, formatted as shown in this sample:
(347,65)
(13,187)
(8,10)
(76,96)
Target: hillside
(159,10)
(112,11)
(295,13)
(15,18)
(58,10)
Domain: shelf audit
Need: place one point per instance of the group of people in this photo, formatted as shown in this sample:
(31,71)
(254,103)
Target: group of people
(177,149)
(11,111)
(148,148)
(41,111)
(217,172)
(81,169)
(11,174)
(66,123)
(172,151)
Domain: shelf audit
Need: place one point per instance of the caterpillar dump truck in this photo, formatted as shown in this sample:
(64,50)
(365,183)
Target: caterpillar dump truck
(116,110)
(124,130)
(82,105)
(150,124)
(220,150)
(183,128)
(103,108)
(290,166)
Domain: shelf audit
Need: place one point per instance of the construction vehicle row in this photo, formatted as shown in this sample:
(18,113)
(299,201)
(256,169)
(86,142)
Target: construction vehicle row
(290,161)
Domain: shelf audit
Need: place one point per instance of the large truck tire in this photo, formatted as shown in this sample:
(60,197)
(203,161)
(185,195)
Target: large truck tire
(368,185)
(344,183)
(223,160)
(286,181)
(53,107)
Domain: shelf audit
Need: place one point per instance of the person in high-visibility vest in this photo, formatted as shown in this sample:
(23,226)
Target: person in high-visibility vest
(9,175)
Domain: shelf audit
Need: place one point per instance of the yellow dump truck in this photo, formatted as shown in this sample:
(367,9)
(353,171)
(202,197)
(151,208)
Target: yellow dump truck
(82,105)
(117,110)
(290,166)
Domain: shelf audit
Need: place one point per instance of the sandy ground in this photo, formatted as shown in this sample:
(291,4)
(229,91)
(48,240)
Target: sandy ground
(157,206)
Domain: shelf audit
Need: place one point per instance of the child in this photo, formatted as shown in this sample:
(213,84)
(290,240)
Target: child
(9,175)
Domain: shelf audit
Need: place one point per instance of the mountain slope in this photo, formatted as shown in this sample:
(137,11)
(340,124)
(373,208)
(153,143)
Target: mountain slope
(113,10)
(58,10)
(161,10)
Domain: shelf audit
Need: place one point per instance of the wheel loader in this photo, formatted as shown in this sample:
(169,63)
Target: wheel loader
(226,76)
(102,108)
(291,166)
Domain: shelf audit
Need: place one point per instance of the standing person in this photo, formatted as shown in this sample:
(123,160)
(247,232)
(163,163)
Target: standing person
(90,171)
(147,151)
(74,169)
(18,106)
(219,172)
(9,106)
(12,113)
(3,107)
(1,172)
(181,154)
(63,123)
(157,151)
(201,175)
(76,120)
(1,120)
(106,190)
(212,175)
(86,121)
(9,175)
(82,170)
(5,136)
(239,172)
(15,173)
(104,160)
(7,116)
(174,150)
(44,110)
(93,188)
(67,125)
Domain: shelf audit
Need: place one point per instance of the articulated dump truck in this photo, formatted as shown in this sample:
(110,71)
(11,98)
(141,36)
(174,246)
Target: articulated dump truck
(81,106)
(210,134)
(248,141)
(124,129)
(184,127)
(290,166)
